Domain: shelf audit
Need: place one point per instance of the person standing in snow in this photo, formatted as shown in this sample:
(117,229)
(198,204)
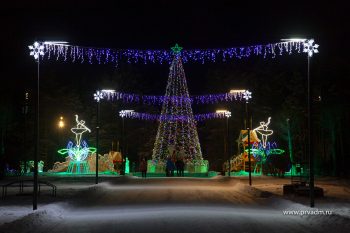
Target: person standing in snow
(170,167)
(143,167)
(181,167)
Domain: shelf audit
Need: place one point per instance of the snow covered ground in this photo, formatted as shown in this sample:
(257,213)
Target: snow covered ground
(128,204)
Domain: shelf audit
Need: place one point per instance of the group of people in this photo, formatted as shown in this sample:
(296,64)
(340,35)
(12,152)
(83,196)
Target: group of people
(170,167)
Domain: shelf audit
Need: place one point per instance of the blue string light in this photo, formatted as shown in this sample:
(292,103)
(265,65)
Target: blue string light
(112,95)
(180,118)
(73,53)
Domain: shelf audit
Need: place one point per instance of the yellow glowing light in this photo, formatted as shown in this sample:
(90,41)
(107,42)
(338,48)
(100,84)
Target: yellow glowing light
(224,112)
(221,111)
(294,40)
(108,91)
(61,123)
(237,91)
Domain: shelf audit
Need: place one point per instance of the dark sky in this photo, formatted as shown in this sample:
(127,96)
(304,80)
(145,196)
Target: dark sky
(160,25)
(219,24)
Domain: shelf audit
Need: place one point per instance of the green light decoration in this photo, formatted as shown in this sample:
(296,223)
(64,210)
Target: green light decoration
(277,151)
(262,149)
(77,153)
(176,49)
(127,166)
(267,152)
(30,164)
(80,151)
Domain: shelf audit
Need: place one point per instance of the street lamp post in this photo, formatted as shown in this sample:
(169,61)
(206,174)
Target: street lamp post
(97,96)
(123,137)
(248,95)
(36,153)
(36,50)
(123,114)
(25,112)
(310,48)
(227,114)
(248,132)
(310,149)
(97,139)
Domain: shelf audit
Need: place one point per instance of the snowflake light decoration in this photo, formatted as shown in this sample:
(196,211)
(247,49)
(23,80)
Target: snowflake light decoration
(98,96)
(227,114)
(124,113)
(247,95)
(310,48)
(36,50)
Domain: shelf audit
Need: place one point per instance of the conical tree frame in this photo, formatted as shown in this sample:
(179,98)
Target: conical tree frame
(180,135)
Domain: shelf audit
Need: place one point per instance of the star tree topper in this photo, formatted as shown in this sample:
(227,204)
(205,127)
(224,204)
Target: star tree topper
(176,49)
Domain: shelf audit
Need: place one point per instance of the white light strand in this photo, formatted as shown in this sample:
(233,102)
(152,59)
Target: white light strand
(264,131)
(79,130)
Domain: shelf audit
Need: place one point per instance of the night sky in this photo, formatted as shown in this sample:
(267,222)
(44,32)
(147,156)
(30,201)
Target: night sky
(159,26)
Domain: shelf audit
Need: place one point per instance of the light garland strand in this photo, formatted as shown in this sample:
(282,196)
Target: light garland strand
(112,95)
(79,54)
(180,118)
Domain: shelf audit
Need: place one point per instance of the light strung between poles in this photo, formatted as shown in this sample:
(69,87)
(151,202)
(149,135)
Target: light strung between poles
(170,117)
(79,54)
(112,95)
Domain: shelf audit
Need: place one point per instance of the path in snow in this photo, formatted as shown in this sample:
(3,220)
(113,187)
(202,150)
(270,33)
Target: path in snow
(169,205)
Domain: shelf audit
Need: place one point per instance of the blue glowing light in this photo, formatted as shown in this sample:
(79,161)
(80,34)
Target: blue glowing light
(175,100)
(259,151)
(73,53)
(77,153)
(171,117)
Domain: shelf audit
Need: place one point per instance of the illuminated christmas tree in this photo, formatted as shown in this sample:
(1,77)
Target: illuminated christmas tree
(177,133)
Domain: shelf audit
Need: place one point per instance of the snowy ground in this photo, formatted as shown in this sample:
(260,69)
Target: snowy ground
(127,204)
